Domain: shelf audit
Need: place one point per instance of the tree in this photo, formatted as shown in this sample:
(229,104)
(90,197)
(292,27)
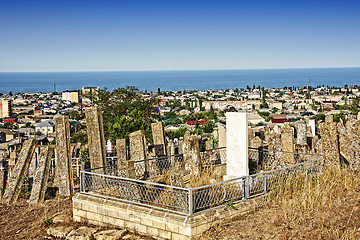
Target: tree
(208,127)
(125,111)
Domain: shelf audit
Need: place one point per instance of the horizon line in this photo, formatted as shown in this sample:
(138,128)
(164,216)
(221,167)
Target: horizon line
(164,70)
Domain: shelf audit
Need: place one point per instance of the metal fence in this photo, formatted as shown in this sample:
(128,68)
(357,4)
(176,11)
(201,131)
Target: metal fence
(189,201)
(215,156)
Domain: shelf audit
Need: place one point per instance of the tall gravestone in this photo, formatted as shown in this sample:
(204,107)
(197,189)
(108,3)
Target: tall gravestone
(301,134)
(125,167)
(191,153)
(63,159)
(222,142)
(96,139)
(138,151)
(312,125)
(329,142)
(42,174)
(237,163)
(20,170)
(159,139)
(287,144)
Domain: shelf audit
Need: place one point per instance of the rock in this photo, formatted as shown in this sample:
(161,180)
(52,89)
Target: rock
(110,234)
(82,233)
(62,218)
(59,231)
(126,237)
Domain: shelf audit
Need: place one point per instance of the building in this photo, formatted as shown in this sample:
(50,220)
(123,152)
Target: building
(71,96)
(5,108)
(46,127)
(9,135)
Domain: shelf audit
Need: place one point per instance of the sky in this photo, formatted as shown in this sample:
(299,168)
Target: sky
(121,35)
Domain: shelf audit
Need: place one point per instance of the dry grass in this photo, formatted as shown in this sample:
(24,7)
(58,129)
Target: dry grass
(323,207)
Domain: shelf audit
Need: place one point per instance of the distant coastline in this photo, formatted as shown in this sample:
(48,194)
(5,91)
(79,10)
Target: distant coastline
(178,80)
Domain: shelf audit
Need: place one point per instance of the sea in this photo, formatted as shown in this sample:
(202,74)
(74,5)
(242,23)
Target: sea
(34,82)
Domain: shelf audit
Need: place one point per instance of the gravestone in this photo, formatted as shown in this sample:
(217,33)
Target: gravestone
(312,125)
(20,170)
(138,151)
(330,143)
(41,175)
(237,164)
(191,153)
(209,144)
(159,139)
(63,159)
(301,134)
(287,144)
(125,167)
(96,139)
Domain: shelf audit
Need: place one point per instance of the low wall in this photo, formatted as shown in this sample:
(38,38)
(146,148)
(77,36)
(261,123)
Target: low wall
(159,224)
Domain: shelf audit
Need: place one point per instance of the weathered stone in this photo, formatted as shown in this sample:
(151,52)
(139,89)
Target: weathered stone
(159,139)
(110,235)
(3,178)
(329,118)
(59,231)
(287,144)
(191,153)
(177,179)
(63,159)
(125,167)
(138,151)
(41,175)
(34,163)
(82,233)
(20,170)
(330,143)
(209,144)
(222,136)
(95,132)
(301,133)
(256,142)
(62,218)
(349,142)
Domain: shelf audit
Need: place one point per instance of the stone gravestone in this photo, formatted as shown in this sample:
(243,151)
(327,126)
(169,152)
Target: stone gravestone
(329,143)
(301,134)
(63,160)
(312,125)
(287,144)
(96,139)
(125,167)
(20,170)
(138,151)
(41,175)
(159,139)
(191,153)
(222,142)
(237,145)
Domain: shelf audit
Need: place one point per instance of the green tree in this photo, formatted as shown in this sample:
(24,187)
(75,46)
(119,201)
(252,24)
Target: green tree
(208,127)
(125,111)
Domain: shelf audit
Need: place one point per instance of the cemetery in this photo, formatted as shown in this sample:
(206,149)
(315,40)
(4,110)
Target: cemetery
(172,189)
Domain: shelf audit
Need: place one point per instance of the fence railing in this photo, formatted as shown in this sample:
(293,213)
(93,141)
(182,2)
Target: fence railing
(189,201)
(214,156)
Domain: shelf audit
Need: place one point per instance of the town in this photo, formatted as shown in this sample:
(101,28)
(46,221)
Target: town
(31,115)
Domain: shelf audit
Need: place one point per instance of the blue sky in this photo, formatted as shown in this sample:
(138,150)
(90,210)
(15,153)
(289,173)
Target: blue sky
(165,35)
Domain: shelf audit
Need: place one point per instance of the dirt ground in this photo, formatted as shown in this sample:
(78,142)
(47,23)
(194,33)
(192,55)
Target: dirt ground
(23,221)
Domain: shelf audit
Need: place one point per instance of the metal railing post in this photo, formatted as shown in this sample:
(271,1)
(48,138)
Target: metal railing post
(82,176)
(264,182)
(247,187)
(191,204)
